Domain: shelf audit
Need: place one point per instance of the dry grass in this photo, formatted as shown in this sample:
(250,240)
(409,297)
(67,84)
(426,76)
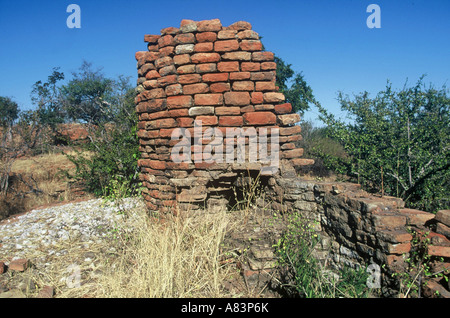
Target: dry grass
(38,181)
(178,258)
(174,257)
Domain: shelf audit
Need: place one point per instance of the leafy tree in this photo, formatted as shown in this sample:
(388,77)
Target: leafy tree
(46,96)
(86,95)
(399,142)
(9,111)
(113,150)
(293,86)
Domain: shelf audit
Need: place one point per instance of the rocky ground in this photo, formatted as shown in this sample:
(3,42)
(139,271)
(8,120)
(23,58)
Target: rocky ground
(68,238)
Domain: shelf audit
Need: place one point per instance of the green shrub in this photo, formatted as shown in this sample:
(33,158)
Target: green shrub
(311,279)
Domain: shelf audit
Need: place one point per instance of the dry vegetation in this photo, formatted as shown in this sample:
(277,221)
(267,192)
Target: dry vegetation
(170,257)
(37,181)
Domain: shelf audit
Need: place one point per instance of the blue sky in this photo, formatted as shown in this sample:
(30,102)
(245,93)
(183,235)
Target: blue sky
(328,41)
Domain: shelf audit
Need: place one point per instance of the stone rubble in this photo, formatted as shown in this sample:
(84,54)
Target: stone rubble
(32,240)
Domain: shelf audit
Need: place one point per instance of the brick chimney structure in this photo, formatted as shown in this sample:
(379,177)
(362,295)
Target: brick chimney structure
(209,112)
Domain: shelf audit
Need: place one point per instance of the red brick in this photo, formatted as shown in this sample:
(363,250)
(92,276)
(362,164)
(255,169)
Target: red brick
(228,110)
(185,121)
(240,25)
(206,68)
(226,46)
(178,112)
(153,47)
(219,87)
(293,153)
(260,118)
(170,30)
(189,78)
(227,34)
(150,84)
(287,131)
(167,70)
(175,89)
(248,108)
(148,57)
(231,121)
(257,98)
(399,249)
(161,123)
(203,47)
(151,38)
(152,74)
(167,80)
(250,67)
(213,25)
(182,59)
(262,56)
(151,106)
(237,56)
(206,37)
(302,162)
(205,58)
(180,101)
(264,107)
(166,51)
(153,93)
(166,40)
(268,66)
(139,55)
(158,114)
(208,99)
(184,38)
(195,88)
(416,217)
(243,86)
(287,146)
(251,45)
(238,76)
(232,66)
(263,76)
(186,69)
(265,86)
(283,108)
(215,77)
(187,25)
(19,265)
(207,120)
(248,34)
(237,98)
(145,68)
(440,251)
(166,132)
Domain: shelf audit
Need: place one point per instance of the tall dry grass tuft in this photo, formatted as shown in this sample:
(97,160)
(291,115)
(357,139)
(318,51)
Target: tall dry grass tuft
(176,258)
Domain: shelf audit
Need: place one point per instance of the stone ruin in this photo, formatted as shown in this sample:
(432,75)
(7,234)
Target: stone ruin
(211,118)
(212,88)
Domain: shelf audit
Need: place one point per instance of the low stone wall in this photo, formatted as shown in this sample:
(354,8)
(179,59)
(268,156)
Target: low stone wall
(356,229)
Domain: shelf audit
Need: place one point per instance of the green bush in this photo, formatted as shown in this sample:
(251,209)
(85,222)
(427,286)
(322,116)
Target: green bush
(311,279)
(107,164)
